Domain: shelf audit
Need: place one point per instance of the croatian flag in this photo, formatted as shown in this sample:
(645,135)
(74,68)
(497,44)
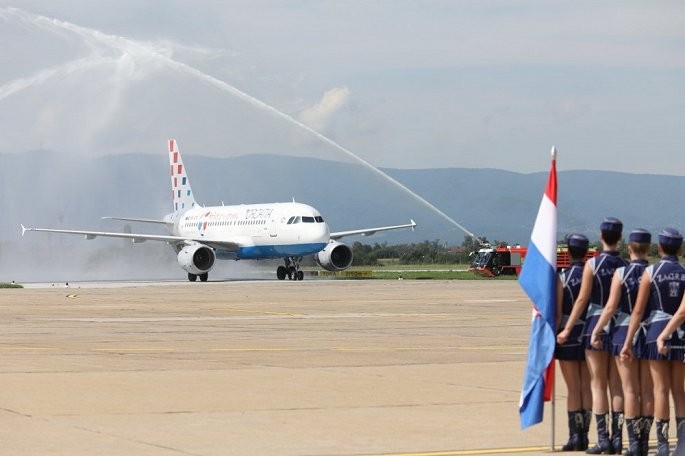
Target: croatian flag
(538,279)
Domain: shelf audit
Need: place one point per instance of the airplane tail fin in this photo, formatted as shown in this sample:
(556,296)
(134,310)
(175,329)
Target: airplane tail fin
(180,185)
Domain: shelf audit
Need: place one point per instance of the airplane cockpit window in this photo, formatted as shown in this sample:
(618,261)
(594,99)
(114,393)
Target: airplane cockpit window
(304,219)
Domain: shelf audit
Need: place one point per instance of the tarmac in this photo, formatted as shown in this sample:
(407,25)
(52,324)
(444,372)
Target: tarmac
(318,367)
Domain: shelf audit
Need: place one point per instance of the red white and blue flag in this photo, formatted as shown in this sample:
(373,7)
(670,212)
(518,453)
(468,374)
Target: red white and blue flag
(538,279)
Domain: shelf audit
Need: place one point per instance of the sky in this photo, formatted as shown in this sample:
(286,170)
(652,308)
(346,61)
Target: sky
(398,84)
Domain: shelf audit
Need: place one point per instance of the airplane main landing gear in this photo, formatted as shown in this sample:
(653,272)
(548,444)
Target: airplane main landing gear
(290,270)
(203,277)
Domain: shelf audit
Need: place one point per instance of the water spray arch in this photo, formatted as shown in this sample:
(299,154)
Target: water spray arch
(126,46)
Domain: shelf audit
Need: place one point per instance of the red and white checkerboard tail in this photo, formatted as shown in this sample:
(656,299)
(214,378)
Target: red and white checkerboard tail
(180,185)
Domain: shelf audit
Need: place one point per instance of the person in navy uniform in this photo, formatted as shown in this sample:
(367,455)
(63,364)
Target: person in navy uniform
(571,355)
(594,292)
(635,377)
(660,297)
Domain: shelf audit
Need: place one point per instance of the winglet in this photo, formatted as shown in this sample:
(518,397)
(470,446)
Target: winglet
(413,224)
(23,229)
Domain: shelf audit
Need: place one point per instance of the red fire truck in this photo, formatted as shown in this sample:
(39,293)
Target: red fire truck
(507,260)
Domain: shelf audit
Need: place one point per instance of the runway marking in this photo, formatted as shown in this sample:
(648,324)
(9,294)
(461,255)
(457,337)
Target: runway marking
(326,316)
(257,315)
(159,319)
(117,350)
(470,452)
(494,347)
(358,349)
(378,315)
(262,312)
(432,348)
(265,349)
(254,349)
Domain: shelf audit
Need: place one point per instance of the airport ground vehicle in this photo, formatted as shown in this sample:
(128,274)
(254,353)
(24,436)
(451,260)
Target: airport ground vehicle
(504,259)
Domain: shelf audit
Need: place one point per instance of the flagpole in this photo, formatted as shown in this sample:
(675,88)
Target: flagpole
(554,408)
(554,379)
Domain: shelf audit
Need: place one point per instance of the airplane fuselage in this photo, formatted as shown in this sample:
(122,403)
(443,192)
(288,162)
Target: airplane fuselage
(200,235)
(262,231)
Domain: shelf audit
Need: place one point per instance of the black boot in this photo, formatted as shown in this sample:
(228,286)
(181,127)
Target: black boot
(617,431)
(575,431)
(603,445)
(680,431)
(587,419)
(633,426)
(662,438)
(644,436)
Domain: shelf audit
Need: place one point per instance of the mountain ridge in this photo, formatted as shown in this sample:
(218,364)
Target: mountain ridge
(498,204)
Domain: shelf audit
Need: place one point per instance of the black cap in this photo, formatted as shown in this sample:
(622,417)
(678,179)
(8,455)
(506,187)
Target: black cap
(640,235)
(670,237)
(578,241)
(612,224)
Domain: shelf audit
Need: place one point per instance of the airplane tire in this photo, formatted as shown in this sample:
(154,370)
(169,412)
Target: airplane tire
(300,275)
(204,277)
(192,277)
(280,272)
(292,274)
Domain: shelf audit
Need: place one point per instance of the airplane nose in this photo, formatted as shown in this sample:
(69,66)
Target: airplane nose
(325,233)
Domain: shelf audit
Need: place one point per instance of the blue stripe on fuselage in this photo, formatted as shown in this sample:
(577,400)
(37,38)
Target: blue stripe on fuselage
(263,252)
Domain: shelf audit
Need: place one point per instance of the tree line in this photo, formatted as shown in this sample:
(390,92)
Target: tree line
(438,252)
(426,252)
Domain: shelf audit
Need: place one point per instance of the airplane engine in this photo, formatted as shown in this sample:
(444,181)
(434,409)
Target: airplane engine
(335,257)
(196,258)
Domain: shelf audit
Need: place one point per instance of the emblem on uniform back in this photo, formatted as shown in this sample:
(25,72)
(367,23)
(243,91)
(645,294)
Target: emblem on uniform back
(673,288)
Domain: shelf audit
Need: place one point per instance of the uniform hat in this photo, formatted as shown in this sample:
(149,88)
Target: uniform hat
(611,224)
(670,237)
(640,235)
(578,241)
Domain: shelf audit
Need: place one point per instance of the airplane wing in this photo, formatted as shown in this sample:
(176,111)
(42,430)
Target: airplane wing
(370,231)
(138,238)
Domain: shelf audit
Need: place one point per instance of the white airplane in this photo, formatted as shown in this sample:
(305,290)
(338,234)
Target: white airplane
(200,235)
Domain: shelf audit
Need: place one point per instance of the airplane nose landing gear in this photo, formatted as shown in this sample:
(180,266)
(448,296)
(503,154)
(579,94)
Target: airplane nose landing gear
(291,269)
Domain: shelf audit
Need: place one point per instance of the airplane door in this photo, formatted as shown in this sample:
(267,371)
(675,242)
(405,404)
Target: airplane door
(272,228)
